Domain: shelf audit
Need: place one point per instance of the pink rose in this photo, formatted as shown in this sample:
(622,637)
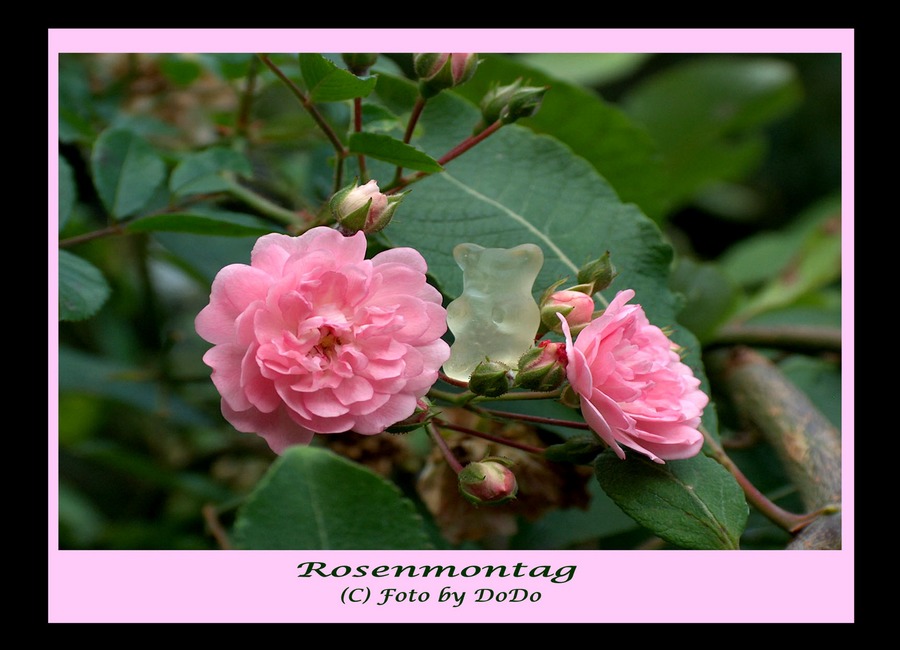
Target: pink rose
(634,389)
(313,338)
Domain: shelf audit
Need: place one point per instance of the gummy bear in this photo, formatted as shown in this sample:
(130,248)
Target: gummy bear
(496,315)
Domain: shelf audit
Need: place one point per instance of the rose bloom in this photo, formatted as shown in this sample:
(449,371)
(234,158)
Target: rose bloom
(634,389)
(313,338)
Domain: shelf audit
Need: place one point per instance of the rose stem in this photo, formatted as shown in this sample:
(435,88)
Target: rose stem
(215,526)
(357,125)
(802,338)
(243,116)
(445,450)
(538,419)
(453,382)
(488,436)
(410,127)
(457,151)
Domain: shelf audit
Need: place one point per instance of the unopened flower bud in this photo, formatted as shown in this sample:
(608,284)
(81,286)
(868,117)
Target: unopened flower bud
(543,367)
(599,272)
(580,450)
(420,417)
(437,72)
(491,378)
(363,207)
(359,63)
(489,481)
(572,304)
(509,103)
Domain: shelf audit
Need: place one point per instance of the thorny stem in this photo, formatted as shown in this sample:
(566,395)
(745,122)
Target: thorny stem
(310,108)
(789,337)
(468,397)
(458,150)
(445,449)
(453,382)
(410,127)
(487,436)
(357,125)
(787,520)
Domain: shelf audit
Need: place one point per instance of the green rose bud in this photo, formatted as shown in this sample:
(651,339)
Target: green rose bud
(599,272)
(543,367)
(437,72)
(491,378)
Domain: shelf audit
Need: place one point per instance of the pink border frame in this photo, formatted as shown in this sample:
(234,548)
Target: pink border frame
(609,586)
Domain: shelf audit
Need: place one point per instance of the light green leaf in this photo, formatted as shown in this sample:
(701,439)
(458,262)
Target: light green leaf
(328,83)
(127,171)
(707,116)
(200,173)
(586,68)
(384,147)
(68,193)
(619,149)
(311,498)
(82,287)
(203,222)
(692,503)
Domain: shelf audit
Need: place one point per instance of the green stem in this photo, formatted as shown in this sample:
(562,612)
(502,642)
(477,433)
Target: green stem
(514,397)
(445,449)
(803,338)
(487,436)
(243,116)
(260,203)
(310,108)
(115,229)
(453,382)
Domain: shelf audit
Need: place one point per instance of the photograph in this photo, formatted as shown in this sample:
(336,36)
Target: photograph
(466,337)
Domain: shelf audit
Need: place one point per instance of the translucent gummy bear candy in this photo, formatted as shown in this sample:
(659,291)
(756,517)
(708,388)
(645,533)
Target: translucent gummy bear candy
(496,315)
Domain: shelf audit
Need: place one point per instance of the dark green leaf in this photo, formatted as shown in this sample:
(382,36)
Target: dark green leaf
(601,133)
(203,222)
(328,83)
(693,503)
(312,498)
(181,70)
(384,147)
(82,287)
(200,173)
(707,116)
(709,296)
(589,69)
(68,192)
(127,171)
(85,374)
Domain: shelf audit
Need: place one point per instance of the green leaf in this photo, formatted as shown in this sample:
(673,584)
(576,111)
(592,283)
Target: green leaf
(709,296)
(82,287)
(384,147)
(180,69)
(328,83)
(707,116)
(68,192)
(591,69)
(621,150)
(312,498)
(692,503)
(203,222)
(127,171)
(200,173)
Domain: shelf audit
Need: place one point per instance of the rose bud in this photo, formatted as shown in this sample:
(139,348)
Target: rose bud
(572,304)
(491,378)
(363,208)
(600,273)
(489,481)
(359,63)
(543,367)
(420,417)
(437,72)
